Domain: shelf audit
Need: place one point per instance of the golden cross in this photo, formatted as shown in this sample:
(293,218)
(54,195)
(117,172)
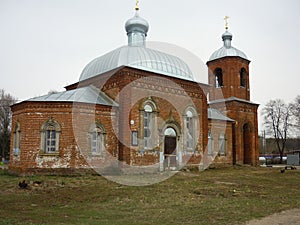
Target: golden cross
(226,22)
(137,5)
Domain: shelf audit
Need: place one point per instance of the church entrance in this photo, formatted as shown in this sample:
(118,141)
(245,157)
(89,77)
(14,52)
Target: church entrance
(247,144)
(170,144)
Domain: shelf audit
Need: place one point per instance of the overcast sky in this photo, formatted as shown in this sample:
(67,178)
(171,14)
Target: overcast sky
(45,44)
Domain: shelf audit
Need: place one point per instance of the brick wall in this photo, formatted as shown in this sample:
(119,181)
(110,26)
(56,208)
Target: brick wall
(32,115)
(130,88)
(217,128)
(243,113)
(231,67)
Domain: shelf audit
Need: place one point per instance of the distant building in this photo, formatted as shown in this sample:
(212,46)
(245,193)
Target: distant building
(142,107)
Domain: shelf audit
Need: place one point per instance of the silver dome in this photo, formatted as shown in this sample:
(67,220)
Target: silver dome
(227,49)
(137,24)
(136,55)
(141,58)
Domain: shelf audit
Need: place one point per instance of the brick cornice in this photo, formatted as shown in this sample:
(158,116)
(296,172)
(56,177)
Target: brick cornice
(57,105)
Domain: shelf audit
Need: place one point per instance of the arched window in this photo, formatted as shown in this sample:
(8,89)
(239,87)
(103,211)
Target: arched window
(189,130)
(210,146)
(97,139)
(190,117)
(50,133)
(243,78)
(218,77)
(148,126)
(222,144)
(148,137)
(17,139)
(170,132)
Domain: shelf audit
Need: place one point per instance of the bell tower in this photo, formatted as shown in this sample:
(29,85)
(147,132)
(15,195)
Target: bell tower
(228,71)
(228,77)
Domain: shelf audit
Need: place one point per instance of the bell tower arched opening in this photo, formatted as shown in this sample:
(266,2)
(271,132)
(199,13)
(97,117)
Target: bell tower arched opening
(218,78)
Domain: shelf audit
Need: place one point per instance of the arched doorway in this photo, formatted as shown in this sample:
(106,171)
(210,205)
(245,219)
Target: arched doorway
(170,144)
(247,144)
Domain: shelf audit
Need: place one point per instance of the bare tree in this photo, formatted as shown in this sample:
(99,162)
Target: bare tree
(277,119)
(296,113)
(6,100)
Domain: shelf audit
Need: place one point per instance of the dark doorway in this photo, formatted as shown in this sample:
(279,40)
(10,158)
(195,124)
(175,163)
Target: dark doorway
(247,144)
(170,148)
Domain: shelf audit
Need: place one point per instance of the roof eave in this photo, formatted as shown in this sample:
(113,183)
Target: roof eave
(216,59)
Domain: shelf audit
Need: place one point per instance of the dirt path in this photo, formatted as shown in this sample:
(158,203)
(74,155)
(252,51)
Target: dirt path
(289,217)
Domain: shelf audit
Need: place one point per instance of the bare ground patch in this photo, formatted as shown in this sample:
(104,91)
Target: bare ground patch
(288,217)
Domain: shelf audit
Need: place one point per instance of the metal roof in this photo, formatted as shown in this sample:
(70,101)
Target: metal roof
(225,52)
(215,114)
(89,94)
(141,58)
(136,55)
(227,49)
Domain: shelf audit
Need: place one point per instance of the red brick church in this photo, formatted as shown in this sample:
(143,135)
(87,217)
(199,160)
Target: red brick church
(143,108)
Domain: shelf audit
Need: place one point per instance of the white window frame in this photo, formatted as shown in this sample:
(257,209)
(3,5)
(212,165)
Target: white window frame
(222,144)
(148,126)
(97,139)
(210,145)
(148,138)
(50,140)
(190,129)
(134,138)
(17,140)
(50,134)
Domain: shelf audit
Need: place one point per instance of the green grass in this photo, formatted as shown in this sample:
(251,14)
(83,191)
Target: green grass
(215,196)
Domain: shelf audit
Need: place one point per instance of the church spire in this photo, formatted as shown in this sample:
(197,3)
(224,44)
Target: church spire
(137,29)
(227,36)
